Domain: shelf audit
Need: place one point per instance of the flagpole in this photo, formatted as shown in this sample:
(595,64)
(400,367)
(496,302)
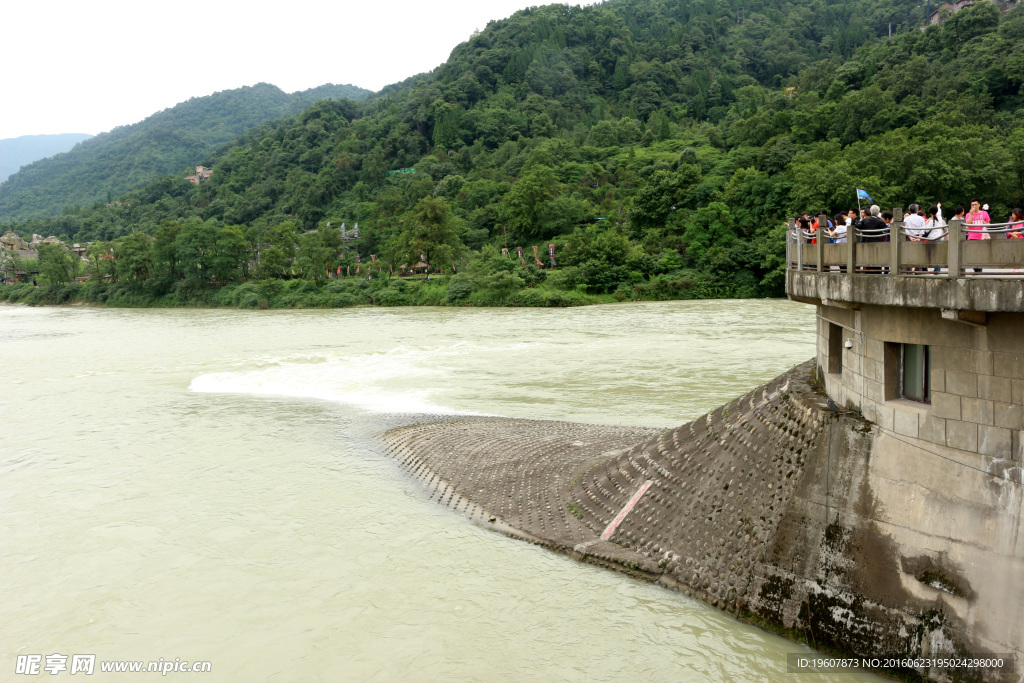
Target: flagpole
(857,190)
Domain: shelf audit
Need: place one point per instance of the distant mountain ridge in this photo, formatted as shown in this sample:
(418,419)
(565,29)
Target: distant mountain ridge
(22,150)
(127,157)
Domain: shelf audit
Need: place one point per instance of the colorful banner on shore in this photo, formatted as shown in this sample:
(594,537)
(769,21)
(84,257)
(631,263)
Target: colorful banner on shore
(551,253)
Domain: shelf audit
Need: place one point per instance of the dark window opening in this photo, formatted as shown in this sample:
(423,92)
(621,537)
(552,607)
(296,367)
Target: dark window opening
(835,349)
(915,372)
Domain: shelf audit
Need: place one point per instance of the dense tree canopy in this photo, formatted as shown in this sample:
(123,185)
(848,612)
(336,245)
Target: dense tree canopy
(657,144)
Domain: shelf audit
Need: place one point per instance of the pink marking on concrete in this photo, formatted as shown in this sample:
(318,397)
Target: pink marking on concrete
(625,511)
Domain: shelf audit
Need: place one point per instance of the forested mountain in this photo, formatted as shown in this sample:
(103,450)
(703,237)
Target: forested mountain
(658,145)
(166,142)
(16,152)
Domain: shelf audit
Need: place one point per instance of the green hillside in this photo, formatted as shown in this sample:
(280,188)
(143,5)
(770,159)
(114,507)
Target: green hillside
(16,152)
(166,142)
(658,146)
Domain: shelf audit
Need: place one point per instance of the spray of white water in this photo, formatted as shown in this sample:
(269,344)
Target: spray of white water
(402,380)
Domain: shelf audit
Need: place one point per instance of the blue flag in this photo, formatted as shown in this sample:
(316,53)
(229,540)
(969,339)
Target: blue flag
(861,194)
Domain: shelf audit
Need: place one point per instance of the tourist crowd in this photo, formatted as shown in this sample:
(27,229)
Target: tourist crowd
(872,224)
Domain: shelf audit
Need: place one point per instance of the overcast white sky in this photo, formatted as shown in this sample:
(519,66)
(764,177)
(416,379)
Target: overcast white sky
(86,67)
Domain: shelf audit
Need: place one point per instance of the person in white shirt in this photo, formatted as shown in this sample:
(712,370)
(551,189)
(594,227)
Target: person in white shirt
(934,224)
(936,227)
(838,233)
(913,222)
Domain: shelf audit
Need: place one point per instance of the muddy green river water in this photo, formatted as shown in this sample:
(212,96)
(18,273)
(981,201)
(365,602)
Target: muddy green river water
(205,485)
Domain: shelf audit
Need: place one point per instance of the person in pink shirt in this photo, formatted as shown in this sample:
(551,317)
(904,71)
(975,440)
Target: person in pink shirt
(1016,227)
(977,218)
(1015,230)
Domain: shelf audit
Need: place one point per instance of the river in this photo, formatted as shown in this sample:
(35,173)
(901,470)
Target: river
(204,485)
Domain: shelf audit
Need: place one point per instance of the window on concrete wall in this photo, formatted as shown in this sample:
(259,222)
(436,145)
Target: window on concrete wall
(915,372)
(835,348)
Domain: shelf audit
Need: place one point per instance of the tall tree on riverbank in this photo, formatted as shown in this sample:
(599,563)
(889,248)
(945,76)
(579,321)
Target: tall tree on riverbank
(429,230)
(57,263)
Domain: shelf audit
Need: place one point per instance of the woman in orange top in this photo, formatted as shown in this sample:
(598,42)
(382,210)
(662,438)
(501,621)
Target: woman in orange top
(820,229)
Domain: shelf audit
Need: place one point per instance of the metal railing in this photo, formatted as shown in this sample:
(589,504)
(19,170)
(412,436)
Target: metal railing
(955,250)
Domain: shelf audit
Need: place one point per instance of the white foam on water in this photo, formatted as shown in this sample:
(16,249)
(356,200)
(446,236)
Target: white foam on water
(402,380)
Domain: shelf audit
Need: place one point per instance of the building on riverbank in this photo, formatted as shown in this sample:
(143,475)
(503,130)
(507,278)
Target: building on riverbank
(14,254)
(13,242)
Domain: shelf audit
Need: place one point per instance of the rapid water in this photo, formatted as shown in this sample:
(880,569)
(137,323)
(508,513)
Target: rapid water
(205,485)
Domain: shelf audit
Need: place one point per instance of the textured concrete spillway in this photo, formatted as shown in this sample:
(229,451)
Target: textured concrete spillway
(718,486)
(514,474)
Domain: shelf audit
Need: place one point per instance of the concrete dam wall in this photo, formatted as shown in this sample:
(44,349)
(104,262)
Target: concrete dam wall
(807,521)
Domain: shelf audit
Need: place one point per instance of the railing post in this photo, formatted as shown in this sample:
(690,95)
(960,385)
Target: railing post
(851,248)
(955,236)
(789,247)
(799,246)
(819,239)
(895,245)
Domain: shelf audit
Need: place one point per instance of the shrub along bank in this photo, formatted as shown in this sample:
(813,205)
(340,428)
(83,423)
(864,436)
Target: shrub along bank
(457,290)
(264,294)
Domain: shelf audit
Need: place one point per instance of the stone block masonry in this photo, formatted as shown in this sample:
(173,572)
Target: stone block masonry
(855,538)
(973,373)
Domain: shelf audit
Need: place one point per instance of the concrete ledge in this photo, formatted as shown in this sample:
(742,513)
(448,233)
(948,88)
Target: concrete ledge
(988,294)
